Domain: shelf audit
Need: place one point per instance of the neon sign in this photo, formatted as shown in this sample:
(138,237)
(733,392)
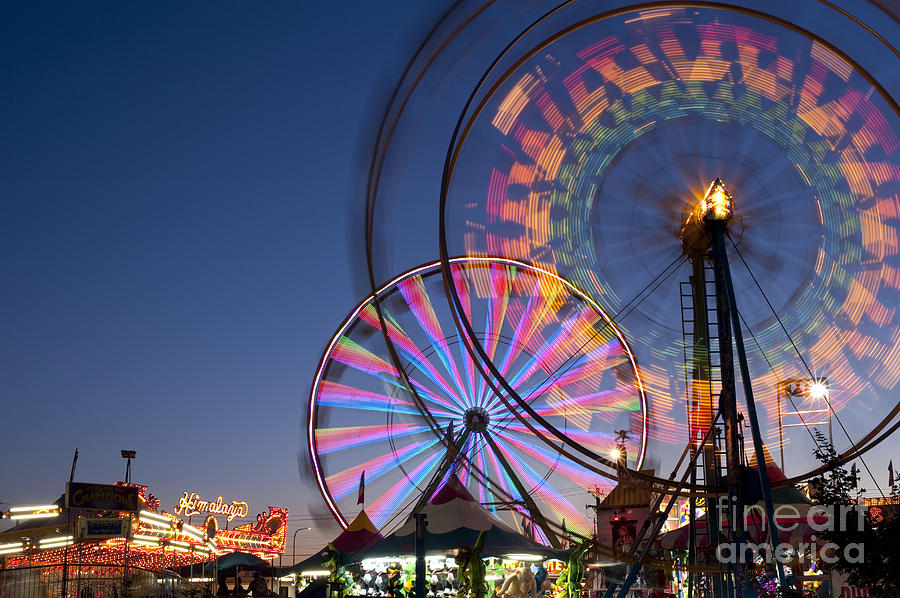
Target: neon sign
(193,505)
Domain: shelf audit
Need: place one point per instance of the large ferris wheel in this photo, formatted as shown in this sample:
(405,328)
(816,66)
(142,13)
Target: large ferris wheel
(583,148)
(556,345)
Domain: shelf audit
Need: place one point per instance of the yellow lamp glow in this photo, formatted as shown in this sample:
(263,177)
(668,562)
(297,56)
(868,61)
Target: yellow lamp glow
(717,204)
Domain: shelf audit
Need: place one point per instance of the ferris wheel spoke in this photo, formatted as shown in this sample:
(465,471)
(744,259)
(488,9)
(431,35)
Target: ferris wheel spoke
(344,482)
(450,404)
(350,353)
(496,486)
(524,326)
(485,490)
(553,461)
(541,312)
(409,349)
(544,355)
(465,465)
(385,505)
(571,374)
(599,442)
(585,373)
(468,368)
(334,394)
(330,440)
(413,290)
(494,318)
(501,414)
(615,400)
(559,504)
(502,475)
(461,283)
(498,301)
(478,474)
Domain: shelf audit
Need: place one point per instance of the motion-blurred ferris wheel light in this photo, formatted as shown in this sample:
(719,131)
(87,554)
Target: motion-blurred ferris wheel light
(594,139)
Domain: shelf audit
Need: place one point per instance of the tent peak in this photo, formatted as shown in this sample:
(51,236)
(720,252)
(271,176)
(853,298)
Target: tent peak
(362,522)
(451,490)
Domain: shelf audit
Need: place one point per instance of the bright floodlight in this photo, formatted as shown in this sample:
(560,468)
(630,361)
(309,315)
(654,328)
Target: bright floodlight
(717,204)
(818,390)
(523,557)
(615,454)
(34,509)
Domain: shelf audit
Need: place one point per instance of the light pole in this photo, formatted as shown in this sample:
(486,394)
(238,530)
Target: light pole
(294,544)
(128,455)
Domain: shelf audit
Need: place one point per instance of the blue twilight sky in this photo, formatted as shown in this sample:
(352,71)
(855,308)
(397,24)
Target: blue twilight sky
(177,180)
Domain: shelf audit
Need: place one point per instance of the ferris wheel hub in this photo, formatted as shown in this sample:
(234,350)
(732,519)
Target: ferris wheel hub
(476,419)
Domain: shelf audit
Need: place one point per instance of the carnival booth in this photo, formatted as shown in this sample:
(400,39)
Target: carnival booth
(232,566)
(358,536)
(459,532)
(113,534)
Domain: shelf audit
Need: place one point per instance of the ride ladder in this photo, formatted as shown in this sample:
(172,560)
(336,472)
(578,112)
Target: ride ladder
(703,384)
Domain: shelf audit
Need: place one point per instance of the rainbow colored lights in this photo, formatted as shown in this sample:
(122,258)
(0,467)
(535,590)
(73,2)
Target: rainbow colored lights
(555,346)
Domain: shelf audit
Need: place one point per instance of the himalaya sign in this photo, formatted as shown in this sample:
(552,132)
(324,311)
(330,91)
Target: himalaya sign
(192,504)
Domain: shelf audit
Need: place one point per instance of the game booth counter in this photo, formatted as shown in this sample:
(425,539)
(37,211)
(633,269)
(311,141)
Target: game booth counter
(108,536)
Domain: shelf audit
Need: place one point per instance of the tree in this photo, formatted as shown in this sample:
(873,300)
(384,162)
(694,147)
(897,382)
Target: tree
(876,563)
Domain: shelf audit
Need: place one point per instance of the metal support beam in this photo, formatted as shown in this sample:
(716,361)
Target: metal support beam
(421,525)
(536,515)
(728,405)
(657,526)
(718,235)
(702,387)
(446,463)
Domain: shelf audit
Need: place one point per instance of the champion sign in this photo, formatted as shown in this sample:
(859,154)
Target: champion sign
(101,497)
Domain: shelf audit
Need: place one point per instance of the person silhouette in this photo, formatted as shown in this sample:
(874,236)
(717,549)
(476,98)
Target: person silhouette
(258,585)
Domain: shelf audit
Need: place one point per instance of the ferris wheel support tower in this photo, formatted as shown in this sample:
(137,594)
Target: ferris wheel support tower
(703,239)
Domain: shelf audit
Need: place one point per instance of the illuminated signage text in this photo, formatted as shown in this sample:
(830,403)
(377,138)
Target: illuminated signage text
(192,504)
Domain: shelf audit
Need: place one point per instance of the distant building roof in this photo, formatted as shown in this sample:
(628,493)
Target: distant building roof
(627,496)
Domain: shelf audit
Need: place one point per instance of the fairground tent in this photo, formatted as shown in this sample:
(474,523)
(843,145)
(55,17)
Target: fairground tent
(455,519)
(358,536)
(792,514)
